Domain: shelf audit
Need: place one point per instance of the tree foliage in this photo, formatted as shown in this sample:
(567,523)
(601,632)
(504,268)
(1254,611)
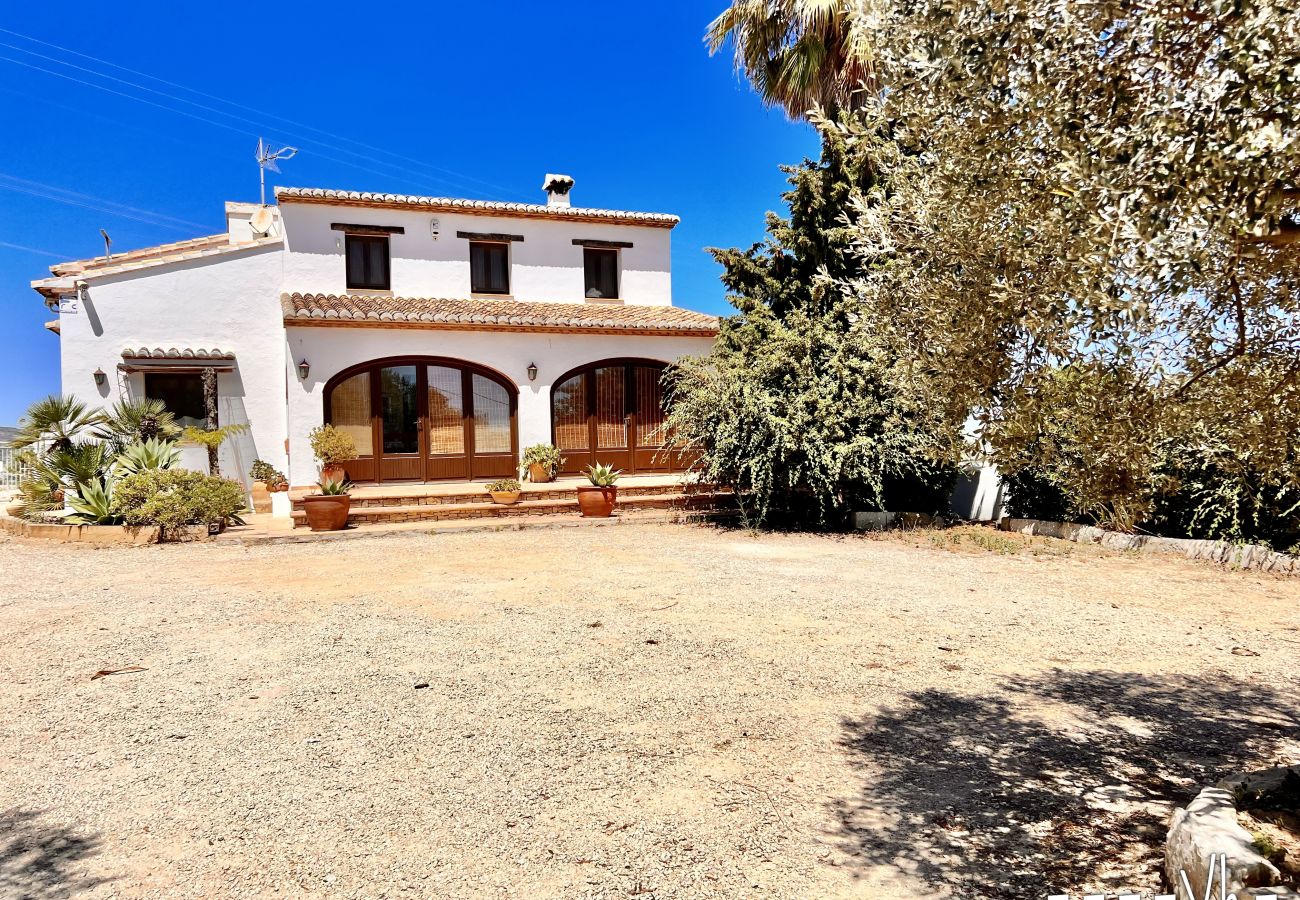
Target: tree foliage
(796,406)
(1085,236)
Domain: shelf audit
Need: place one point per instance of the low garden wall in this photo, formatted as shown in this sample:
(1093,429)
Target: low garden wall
(103,535)
(1241,556)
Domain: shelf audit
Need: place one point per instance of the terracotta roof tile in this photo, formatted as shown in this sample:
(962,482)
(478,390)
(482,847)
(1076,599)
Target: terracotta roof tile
(368,310)
(174,353)
(480,207)
(200,248)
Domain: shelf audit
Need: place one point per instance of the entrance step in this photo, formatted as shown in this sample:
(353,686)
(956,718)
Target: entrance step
(418,495)
(565,503)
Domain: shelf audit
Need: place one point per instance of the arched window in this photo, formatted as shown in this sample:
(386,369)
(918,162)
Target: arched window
(425,419)
(612,411)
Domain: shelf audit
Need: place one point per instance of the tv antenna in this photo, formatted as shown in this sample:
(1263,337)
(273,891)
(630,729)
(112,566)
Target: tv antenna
(266,159)
(108,244)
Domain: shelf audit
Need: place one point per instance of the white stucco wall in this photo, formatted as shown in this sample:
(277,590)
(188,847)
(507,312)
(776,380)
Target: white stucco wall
(545,266)
(331,350)
(230,302)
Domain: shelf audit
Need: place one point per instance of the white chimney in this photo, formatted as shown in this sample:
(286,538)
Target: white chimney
(557,189)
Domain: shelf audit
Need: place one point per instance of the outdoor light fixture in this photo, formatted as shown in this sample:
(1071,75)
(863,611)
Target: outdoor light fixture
(303,368)
(100,377)
(532,371)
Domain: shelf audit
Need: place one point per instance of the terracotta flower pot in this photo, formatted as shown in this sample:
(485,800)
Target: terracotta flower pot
(597,502)
(327,512)
(261,497)
(539,473)
(333,473)
(506,498)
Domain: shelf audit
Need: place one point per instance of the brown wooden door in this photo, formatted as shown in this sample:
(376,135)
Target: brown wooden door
(400,423)
(612,413)
(446,437)
(426,420)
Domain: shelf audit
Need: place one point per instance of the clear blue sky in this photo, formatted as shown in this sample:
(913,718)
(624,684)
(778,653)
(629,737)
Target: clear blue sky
(461,99)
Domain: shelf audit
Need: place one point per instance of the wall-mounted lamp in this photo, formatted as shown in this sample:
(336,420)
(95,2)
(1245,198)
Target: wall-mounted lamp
(100,377)
(532,371)
(303,368)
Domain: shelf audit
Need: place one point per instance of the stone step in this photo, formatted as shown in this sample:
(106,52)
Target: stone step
(398,496)
(367,515)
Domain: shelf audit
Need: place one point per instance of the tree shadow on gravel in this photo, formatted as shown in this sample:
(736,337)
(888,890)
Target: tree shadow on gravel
(1052,783)
(39,862)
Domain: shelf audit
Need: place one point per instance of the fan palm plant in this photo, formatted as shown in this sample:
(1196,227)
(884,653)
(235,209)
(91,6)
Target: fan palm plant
(800,54)
(135,419)
(56,422)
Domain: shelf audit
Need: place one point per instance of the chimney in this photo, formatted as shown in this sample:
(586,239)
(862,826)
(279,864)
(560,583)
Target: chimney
(557,189)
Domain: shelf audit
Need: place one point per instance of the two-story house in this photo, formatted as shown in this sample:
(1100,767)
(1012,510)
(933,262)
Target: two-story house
(443,335)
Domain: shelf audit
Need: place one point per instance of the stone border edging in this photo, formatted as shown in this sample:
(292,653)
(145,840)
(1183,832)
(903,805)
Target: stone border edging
(101,535)
(1242,556)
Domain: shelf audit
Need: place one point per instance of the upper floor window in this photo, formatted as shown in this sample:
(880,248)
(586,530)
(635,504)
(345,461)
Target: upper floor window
(602,273)
(367,262)
(489,267)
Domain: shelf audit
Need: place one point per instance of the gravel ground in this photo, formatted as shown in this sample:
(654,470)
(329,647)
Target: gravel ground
(645,711)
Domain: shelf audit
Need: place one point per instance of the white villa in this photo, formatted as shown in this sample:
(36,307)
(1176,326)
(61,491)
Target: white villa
(442,334)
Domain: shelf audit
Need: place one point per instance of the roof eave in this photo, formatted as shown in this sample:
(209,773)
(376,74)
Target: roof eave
(499,209)
(315,322)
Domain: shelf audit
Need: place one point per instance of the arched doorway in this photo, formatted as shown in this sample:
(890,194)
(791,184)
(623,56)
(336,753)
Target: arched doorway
(612,411)
(426,418)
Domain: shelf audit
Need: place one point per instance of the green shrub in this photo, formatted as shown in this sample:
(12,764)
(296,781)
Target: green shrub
(332,446)
(505,485)
(175,499)
(267,474)
(545,455)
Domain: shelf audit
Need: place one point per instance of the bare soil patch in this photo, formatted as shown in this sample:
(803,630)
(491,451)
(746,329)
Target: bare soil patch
(644,711)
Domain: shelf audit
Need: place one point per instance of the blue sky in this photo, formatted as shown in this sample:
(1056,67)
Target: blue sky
(461,99)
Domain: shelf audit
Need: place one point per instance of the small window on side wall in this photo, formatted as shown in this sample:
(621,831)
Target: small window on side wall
(602,273)
(367,262)
(181,393)
(489,267)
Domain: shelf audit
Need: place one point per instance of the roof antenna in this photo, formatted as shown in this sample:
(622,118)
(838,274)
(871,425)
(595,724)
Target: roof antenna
(266,158)
(108,244)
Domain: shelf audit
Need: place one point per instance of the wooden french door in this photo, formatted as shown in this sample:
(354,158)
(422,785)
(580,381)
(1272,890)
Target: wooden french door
(612,412)
(425,419)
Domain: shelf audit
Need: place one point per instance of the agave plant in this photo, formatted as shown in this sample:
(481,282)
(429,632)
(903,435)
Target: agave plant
(92,503)
(602,474)
(334,487)
(137,419)
(55,422)
(150,454)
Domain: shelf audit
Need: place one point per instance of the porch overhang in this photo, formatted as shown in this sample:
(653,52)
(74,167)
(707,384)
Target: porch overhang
(144,359)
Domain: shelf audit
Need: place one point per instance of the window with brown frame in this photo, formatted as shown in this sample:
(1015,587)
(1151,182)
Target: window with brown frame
(181,393)
(602,273)
(367,257)
(489,267)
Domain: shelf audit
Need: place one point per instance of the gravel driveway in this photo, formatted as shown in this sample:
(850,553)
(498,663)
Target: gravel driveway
(644,711)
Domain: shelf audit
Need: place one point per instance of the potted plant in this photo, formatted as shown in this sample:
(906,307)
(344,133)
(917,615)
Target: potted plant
(597,500)
(506,491)
(267,480)
(332,447)
(328,510)
(541,462)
